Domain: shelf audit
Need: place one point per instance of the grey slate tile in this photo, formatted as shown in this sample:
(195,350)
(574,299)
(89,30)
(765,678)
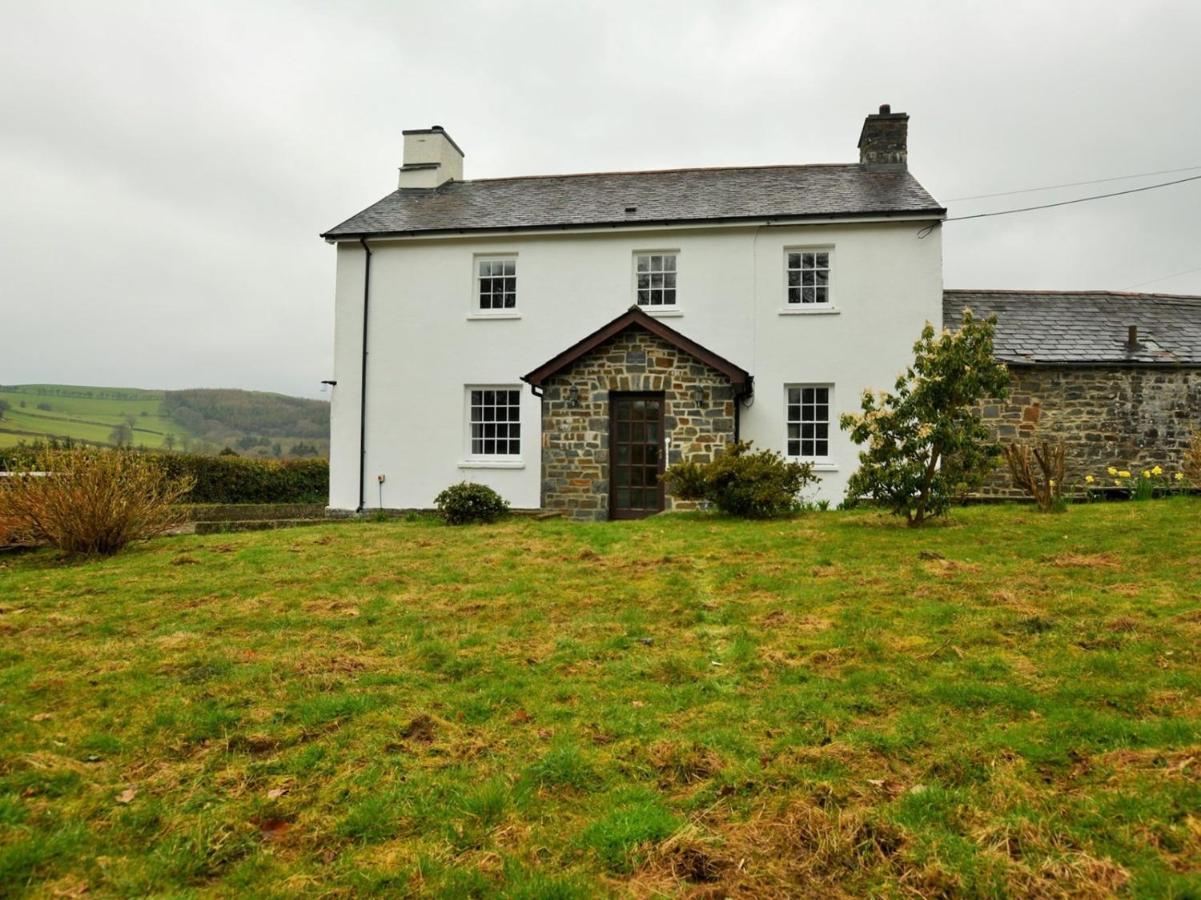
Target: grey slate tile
(677,195)
(1065,327)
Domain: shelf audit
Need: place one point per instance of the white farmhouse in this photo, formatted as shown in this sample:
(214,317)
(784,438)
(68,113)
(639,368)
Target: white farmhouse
(562,338)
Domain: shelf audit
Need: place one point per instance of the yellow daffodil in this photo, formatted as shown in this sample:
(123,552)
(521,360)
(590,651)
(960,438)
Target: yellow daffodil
(1180,476)
(1112,471)
(1088,479)
(1146,473)
(1117,482)
(1123,473)
(1157,471)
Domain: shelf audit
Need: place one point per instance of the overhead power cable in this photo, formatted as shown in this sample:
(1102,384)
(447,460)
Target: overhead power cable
(1051,187)
(1009,212)
(1163,278)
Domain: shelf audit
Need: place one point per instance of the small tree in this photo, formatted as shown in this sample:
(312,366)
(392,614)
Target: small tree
(925,442)
(121,435)
(4,407)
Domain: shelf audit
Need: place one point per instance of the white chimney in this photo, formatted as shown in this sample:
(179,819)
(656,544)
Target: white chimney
(431,158)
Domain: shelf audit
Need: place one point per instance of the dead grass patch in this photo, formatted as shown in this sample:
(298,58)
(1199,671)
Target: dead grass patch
(1123,624)
(1184,763)
(317,664)
(684,764)
(1084,561)
(947,568)
(421,729)
(1070,876)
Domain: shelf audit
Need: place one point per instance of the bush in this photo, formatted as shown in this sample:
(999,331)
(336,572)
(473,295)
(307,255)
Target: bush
(754,485)
(1039,472)
(92,501)
(466,503)
(925,442)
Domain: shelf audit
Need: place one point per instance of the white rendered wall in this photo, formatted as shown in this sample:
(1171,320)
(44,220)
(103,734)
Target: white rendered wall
(426,342)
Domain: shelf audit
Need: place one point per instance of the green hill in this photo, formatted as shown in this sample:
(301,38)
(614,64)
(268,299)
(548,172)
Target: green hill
(254,423)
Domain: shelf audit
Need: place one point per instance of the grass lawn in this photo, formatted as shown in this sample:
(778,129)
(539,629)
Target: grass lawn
(834,705)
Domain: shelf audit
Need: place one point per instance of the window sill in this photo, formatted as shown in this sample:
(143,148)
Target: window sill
(485,316)
(822,311)
(491,464)
(662,312)
(817,466)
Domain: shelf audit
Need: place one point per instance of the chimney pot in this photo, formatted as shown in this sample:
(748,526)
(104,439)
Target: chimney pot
(884,141)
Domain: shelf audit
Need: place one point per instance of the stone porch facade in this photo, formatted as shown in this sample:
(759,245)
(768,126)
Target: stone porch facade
(575,438)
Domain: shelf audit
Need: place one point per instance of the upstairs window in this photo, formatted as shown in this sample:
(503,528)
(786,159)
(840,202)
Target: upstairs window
(494,418)
(656,279)
(808,277)
(497,284)
(808,422)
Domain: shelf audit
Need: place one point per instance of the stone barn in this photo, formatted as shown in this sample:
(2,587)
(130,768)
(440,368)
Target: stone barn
(1115,377)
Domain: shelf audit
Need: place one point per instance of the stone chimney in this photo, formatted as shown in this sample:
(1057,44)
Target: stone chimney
(431,158)
(883,141)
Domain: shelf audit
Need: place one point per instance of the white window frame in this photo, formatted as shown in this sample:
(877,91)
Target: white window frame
(665,309)
(474,460)
(825,463)
(810,309)
(475,312)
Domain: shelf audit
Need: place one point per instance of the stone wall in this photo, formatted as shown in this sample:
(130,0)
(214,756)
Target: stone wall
(575,440)
(1131,418)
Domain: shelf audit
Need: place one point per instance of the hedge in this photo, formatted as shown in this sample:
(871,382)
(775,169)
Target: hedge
(230,479)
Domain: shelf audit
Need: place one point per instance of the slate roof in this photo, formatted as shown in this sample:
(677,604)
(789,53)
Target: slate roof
(1085,327)
(671,196)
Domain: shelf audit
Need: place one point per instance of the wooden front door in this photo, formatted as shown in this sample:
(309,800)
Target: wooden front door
(636,454)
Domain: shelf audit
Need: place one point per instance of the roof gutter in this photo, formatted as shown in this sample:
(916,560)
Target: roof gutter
(363,378)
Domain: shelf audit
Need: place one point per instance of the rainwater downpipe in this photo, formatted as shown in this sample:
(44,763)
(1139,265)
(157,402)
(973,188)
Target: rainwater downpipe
(363,379)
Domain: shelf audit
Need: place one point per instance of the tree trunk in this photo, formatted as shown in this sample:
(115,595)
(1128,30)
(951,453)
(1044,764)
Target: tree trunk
(922,495)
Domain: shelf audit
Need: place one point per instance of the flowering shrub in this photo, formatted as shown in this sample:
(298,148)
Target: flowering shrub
(925,442)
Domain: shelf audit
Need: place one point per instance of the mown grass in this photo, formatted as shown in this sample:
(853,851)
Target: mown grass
(1009,705)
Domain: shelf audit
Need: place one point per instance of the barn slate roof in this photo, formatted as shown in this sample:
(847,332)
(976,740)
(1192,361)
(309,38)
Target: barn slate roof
(1085,327)
(648,198)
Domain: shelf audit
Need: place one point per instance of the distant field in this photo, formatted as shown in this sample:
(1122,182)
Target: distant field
(84,414)
(202,420)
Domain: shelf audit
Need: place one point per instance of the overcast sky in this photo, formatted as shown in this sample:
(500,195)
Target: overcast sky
(165,167)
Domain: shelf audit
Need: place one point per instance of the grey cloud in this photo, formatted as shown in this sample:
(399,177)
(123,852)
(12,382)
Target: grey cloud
(166,167)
